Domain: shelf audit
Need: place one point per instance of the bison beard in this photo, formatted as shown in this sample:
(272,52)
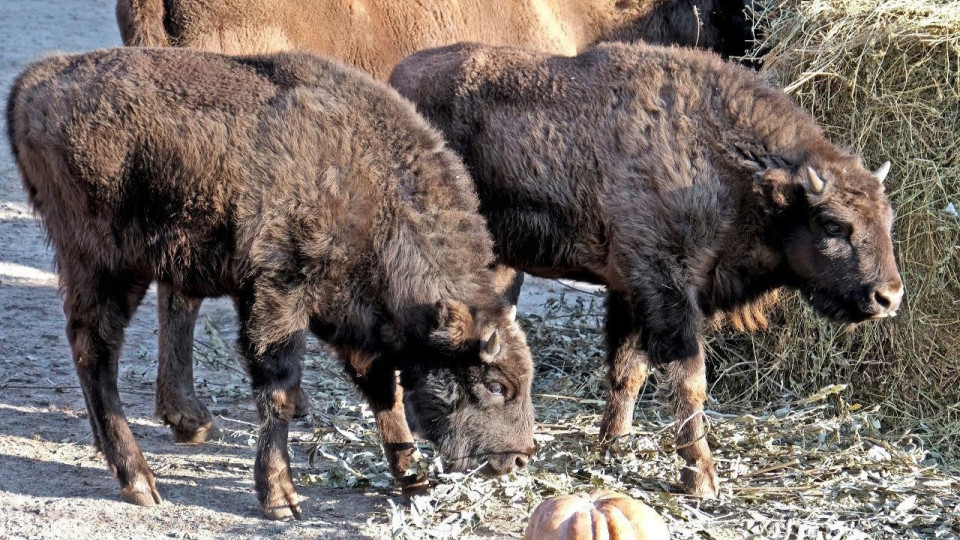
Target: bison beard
(313,196)
(429,411)
(686,185)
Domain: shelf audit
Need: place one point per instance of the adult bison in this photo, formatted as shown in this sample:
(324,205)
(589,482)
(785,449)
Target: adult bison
(312,195)
(685,184)
(375,35)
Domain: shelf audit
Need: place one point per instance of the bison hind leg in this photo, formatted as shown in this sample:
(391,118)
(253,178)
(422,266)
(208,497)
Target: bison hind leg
(98,308)
(177,404)
(627,367)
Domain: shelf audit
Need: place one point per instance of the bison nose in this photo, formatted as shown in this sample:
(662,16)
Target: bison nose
(524,458)
(508,462)
(888,298)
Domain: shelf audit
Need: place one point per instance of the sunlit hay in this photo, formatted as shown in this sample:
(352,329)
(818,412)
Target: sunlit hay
(883,77)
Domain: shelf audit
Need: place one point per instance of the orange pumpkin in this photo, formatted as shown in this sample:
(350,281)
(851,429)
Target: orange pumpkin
(601,515)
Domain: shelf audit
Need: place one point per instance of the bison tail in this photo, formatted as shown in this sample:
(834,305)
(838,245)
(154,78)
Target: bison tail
(12,97)
(142,23)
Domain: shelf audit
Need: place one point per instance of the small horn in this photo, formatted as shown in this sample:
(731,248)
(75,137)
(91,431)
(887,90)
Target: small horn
(512,315)
(492,346)
(816,184)
(881,173)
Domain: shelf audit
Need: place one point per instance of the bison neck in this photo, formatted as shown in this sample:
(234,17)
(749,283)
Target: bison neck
(718,25)
(736,272)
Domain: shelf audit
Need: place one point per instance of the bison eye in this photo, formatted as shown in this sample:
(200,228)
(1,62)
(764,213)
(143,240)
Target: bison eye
(832,228)
(495,388)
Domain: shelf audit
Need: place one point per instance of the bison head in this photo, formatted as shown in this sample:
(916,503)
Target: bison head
(468,392)
(837,242)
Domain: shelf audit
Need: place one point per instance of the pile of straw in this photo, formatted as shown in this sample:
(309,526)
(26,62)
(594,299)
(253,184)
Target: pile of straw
(883,77)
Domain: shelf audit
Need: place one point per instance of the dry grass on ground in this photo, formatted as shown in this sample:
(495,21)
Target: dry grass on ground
(812,467)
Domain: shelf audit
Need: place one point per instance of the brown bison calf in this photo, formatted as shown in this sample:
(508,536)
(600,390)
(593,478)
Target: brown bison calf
(312,195)
(686,185)
(374,35)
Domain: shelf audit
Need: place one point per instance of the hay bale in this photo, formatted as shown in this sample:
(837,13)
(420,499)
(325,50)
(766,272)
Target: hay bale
(882,76)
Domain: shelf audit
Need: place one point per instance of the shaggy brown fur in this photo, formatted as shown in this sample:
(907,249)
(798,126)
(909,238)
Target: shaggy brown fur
(683,183)
(375,34)
(312,195)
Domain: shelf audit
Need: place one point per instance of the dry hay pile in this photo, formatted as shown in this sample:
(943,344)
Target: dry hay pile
(813,467)
(883,77)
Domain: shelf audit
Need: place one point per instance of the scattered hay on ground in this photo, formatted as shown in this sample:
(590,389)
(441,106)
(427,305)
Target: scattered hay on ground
(882,76)
(816,467)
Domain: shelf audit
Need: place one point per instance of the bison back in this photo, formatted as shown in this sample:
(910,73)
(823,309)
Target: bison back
(175,160)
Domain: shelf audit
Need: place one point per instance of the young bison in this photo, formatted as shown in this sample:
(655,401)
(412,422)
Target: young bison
(312,195)
(374,36)
(686,185)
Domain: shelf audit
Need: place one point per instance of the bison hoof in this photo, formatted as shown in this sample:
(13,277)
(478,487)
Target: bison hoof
(141,493)
(700,481)
(415,485)
(614,425)
(614,441)
(189,430)
(282,507)
(303,405)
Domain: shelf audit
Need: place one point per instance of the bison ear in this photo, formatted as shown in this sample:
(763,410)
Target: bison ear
(776,188)
(454,322)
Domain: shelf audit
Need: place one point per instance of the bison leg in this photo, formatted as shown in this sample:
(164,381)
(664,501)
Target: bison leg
(177,403)
(507,282)
(667,310)
(385,397)
(687,381)
(98,310)
(302,408)
(275,374)
(627,369)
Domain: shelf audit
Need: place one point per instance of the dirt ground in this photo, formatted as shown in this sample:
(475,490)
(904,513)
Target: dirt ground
(52,483)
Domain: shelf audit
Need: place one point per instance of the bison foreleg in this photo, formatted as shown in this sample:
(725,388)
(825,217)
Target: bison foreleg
(98,309)
(385,397)
(627,369)
(687,382)
(670,323)
(276,383)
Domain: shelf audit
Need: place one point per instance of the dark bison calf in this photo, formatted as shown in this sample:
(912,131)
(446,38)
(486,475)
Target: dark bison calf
(686,185)
(312,195)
